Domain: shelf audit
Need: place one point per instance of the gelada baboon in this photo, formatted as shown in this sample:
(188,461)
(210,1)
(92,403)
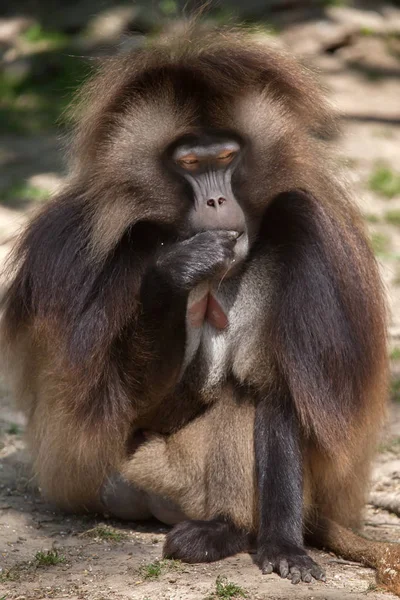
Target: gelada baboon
(203,256)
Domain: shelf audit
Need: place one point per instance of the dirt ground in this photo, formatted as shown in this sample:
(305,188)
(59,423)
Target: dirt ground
(99,559)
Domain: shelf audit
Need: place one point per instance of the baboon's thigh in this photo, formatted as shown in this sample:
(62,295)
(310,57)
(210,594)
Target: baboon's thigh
(125,501)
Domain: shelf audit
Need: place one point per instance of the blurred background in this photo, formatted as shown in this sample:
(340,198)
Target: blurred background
(48,47)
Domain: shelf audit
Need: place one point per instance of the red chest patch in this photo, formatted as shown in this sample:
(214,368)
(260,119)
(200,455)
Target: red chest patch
(207,309)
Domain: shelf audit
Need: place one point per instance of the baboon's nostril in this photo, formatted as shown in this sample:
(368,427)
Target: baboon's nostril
(213,202)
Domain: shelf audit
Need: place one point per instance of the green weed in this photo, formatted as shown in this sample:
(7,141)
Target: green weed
(22,194)
(393,217)
(371,218)
(384,181)
(169,8)
(36,34)
(105,532)
(380,243)
(36,100)
(225,589)
(395,354)
(395,390)
(48,558)
(13,430)
(157,568)
(152,570)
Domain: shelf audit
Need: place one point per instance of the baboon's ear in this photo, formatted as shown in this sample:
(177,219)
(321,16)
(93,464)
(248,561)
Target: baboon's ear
(328,322)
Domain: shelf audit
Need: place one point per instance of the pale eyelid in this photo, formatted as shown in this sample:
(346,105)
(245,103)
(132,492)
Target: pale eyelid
(187,165)
(228,156)
(191,161)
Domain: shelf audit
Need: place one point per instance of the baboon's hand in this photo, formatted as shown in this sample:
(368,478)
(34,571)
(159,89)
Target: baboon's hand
(289,561)
(204,256)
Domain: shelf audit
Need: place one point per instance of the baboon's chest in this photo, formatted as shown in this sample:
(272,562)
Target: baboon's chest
(224,330)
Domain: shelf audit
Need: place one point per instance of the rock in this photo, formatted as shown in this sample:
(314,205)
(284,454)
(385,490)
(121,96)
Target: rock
(358,20)
(387,501)
(315,37)
(392,16)
(111,24)
(50,182)
(370,55)
(10,29)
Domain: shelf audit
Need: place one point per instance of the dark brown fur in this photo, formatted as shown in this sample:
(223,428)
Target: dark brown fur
(72,320)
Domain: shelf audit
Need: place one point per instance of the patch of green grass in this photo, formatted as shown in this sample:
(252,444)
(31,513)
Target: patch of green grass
(22,194)
(36,101)
(225,589)
(48,558)
(168,8)
(152,570)
(385,181)
(367,31)
(105,532)
(393,217)
(371,217)
(155,569)
(380,243)
(395,390)
(13,430)
(395,354)
(36,34)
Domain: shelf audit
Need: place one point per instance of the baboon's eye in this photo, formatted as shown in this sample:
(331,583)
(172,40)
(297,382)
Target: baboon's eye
(226,157)
(190,161)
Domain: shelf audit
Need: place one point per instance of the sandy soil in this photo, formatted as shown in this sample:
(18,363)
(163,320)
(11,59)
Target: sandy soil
(98,563)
